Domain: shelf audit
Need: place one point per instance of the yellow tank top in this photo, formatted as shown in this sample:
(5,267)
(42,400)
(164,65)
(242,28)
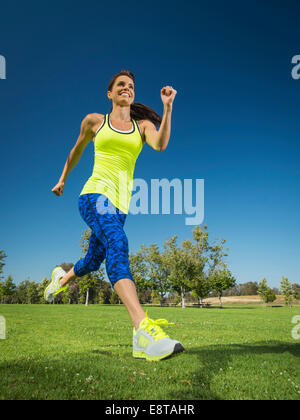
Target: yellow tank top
(116,152)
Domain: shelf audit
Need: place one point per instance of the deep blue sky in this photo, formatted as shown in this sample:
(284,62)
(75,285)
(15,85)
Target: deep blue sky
(235,123)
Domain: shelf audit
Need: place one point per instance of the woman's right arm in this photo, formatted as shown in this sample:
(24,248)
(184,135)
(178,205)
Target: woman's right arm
(87,132)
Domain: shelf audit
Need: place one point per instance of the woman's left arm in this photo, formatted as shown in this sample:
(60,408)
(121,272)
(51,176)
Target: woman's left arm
(159,140)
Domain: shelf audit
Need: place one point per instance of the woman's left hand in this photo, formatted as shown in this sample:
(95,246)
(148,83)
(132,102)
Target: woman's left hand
(168,94)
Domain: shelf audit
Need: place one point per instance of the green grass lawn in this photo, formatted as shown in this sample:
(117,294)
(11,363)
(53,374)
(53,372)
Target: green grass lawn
(74,352)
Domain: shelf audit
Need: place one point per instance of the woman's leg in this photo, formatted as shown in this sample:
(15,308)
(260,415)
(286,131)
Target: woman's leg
(149,340)
(107,223)
(68,277)
(91,262)
(127,292)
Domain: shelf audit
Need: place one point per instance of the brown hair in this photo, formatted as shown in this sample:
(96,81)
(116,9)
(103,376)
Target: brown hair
(138,111)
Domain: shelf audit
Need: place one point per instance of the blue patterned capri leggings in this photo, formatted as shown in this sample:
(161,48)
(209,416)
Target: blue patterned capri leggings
(108,239)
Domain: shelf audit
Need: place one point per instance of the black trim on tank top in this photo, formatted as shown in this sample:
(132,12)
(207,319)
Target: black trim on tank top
(139,130)
(119,131)
(103,122)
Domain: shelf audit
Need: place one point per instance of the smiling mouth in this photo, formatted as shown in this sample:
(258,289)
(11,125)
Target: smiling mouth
(124,94)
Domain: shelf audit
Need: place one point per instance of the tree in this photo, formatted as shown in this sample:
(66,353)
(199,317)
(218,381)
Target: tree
(72,292)
(84,241)
(219,275)
(158,270)
(263,289)
(41,289)
(201,287)
(200,283)
(66,266)
(180,266)
(265,292)
(2,256)
(114,299)
(104,292)
(32,293)
(287,290)
(21,292)
(86,284)
(90,282)
(270,296)
(1,291)
(249,289)
(101,297)
(155,297)
(140,273)
(296,290)
(8,290)
(221,279)
(216,256)
(236,290)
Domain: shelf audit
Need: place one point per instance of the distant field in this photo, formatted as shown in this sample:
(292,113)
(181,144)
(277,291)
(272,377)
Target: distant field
(78,352)
(246,299)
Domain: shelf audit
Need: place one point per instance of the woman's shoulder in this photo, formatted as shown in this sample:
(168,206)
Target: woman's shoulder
(142,124)
(94,118)
(94,121)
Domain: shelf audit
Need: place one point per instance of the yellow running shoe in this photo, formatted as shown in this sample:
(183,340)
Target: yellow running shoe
(150,342)
(54,287)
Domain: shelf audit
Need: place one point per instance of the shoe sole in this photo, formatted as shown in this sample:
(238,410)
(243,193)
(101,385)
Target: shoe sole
(178,349)
(51,284)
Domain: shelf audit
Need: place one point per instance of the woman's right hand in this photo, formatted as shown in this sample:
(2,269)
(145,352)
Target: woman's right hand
(59,188)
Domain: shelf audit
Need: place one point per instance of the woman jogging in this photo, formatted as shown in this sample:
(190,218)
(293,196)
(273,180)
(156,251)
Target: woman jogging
(104,202)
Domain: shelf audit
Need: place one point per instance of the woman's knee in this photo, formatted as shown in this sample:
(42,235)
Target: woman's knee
(85,266)
(93,266)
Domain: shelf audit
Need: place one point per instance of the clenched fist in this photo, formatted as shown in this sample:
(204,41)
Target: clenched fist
(59,188)
(168,94)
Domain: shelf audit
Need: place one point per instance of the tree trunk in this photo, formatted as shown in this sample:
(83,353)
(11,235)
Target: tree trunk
(182,298)
(220,300)
(200,302)
(87,298)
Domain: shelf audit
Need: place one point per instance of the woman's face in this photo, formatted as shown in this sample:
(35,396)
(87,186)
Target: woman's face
(122,91)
